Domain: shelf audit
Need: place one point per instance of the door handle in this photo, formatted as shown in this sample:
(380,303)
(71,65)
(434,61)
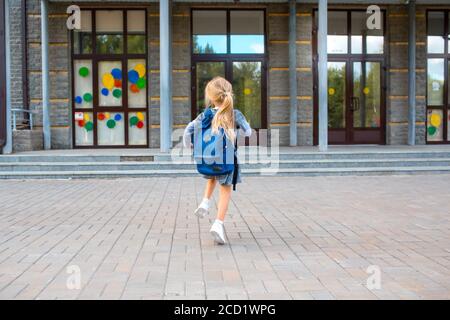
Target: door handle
(354,104)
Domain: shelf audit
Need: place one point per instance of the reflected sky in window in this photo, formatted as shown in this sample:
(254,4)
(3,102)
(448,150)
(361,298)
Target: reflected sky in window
(210,44)
(246,44)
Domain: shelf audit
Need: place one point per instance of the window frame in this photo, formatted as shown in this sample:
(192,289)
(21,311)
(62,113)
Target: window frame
(96,58)
(349,34)
(445,107)
(228,32)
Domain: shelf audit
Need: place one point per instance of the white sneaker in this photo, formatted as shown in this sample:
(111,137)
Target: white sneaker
(202,210)
(218,232)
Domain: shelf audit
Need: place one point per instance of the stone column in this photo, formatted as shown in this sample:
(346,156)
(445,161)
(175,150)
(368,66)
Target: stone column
(293,72)
(45,76)
(412,73)
(165,51)
(323,75)
(8,147)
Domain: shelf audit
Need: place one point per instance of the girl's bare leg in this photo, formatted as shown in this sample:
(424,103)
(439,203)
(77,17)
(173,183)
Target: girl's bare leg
(203,208)
(209,189)
(224,200)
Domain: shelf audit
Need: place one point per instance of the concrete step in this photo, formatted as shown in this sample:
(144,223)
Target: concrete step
(161,165)
(68,158)
(249,172)
(394,154)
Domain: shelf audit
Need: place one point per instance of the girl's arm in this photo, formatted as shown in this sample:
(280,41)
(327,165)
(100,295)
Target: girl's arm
(243,124)
(189,131)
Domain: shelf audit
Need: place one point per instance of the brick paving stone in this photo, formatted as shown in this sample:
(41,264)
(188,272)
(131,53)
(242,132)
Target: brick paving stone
(289,238)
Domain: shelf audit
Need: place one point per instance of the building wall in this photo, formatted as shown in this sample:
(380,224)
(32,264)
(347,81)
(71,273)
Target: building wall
(15,18)
(397,75)
(59,65)
(421,74)
(278,71)
(181,76)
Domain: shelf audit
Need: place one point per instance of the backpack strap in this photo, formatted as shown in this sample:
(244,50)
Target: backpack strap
(236,164)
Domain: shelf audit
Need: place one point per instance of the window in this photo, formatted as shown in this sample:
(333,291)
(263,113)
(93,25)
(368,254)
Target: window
(438,68)
(136,31)
(348,33)
(83,38)
(337,39)
(210,31)
(247,31)
(228,31)
(109,31)
(435,37)
(364,40)
(110,79)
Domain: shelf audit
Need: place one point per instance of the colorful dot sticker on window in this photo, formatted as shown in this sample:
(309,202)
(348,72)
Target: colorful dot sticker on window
(134,88)
(118,83)
(435,120)
(137,120)
(101,116)
(78,100)
(89,126)
(87,97)
(133,76)
(140,69)
(366,90)
(110,123)
(116,73)
(136,77)
(105,92)
(141,83)
(86,117)
(117,93)
(331,91)
(118,117)
(108,81)
(432,130)
(247,91)
(134,120)
(84,72)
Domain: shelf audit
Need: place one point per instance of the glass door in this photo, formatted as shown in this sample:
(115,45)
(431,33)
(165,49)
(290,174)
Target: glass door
(337,102)
(247,78)
(247,81)
(204,72)
(354,102)
(365,103)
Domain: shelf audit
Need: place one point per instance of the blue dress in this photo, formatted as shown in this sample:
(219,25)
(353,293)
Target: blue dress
(240,122)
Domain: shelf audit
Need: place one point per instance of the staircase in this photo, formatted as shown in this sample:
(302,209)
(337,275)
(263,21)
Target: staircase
(377,160)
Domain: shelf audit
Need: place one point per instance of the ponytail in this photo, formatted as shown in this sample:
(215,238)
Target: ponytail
(224,117)
(219,91)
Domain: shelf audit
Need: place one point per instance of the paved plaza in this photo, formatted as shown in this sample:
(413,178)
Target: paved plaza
(289,238)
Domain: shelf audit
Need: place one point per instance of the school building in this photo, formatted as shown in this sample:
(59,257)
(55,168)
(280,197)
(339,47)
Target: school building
(321,72)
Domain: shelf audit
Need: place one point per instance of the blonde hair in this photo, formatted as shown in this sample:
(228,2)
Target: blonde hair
(219,92)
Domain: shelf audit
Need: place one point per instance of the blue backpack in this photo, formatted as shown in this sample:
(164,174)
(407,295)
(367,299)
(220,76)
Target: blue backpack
(214,153)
